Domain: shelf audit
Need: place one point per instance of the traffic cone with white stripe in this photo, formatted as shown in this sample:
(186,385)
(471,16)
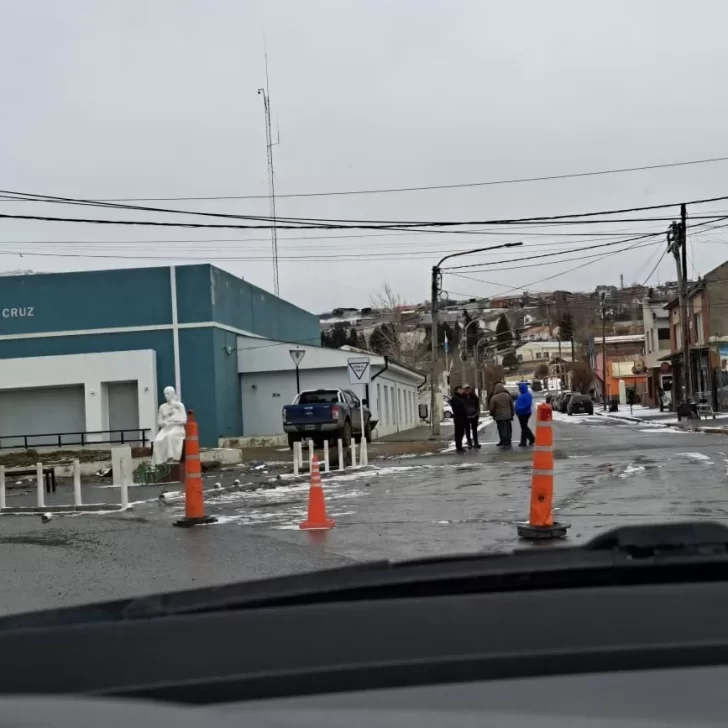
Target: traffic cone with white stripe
(541,524)
(194,496)
(316,520)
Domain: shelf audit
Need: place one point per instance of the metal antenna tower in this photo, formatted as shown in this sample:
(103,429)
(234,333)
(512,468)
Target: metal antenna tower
(269,144)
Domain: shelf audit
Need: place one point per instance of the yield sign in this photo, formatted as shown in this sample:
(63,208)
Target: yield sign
(358,369)
(297,355)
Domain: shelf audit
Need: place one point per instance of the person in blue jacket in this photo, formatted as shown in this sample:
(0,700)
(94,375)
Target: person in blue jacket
(524,402)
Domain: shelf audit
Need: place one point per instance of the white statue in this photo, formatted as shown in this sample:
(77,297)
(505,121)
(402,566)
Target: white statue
(170,439)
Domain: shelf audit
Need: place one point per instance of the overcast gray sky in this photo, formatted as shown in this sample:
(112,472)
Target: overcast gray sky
(157,98)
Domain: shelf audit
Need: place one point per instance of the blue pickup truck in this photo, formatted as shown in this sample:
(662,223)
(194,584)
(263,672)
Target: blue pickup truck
(327,414)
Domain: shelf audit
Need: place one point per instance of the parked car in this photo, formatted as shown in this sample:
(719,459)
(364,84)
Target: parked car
(564,400)
(447,409)
(327,414)
(580,403)
(536,385)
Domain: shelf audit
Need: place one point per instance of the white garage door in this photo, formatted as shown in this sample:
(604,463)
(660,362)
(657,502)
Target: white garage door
(41,411)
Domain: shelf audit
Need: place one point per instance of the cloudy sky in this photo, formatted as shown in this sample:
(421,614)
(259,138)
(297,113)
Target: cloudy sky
(158,98)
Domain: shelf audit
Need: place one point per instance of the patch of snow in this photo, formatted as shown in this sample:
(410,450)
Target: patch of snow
(571,419)
(658,430)
(631,470)
(695,456)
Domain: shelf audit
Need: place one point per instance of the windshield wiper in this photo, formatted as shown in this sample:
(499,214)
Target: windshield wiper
(628,555)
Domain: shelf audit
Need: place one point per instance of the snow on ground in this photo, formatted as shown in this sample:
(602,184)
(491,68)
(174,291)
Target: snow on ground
(695,456)
(571,419)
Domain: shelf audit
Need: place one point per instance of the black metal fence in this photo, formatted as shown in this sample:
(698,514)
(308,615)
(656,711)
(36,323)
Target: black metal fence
(137,437)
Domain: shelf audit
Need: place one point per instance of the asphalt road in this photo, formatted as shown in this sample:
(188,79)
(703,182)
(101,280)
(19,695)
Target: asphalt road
(608,473)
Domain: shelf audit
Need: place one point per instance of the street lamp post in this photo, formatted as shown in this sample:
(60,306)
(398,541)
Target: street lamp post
(434,295)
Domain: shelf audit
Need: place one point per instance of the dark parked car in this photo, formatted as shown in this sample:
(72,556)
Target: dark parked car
(580,403)
(563,402)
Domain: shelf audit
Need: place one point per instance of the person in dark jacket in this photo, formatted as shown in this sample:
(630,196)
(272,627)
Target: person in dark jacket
(472,415)
(459,418)
(524,402)
(501,409)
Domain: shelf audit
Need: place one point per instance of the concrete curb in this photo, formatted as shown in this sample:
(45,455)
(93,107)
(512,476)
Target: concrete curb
(35,510)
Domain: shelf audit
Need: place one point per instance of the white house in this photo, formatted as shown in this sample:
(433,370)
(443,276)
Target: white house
(538,352)
(268,382)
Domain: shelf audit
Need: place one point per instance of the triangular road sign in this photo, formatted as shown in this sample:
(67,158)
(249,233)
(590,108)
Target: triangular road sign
(297,355)
(358,368)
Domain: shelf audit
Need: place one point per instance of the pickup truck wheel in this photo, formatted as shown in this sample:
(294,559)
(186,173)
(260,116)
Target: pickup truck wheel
(368,432)
(346,435)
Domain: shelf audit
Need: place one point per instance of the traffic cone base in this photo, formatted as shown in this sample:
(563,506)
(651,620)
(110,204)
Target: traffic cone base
(542,533)
(316,519)
(200,521)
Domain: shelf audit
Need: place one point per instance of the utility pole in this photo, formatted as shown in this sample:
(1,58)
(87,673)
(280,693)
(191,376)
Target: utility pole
(269,144)
(434,296)
(677,244)
(434,374)
(603,307)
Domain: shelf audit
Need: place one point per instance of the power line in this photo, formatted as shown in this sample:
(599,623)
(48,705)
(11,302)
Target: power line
(326,223)
(464,185)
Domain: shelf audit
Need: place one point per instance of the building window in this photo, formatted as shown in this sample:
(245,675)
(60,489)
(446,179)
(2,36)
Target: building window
(386,404)
(663,334)
(538,355)
(519,357)
(379,400)
(546,355)
(699,328)
(399,407)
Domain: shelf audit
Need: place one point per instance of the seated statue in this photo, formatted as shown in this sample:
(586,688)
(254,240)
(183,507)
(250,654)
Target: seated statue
(170,439)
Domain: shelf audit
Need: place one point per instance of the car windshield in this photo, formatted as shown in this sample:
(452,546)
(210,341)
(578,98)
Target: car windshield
(250,248)
(319,397)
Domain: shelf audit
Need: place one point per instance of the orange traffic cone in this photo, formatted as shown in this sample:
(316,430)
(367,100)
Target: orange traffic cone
(317,520)
(541,524)
(194,498)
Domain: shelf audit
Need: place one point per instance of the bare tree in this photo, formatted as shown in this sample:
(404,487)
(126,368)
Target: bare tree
(582,377)
(402,336)
(492,374)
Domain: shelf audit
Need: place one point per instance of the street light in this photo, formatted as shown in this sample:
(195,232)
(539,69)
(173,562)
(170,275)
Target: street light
(435,293)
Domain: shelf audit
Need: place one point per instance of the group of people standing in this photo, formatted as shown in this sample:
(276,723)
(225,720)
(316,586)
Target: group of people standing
(466,415)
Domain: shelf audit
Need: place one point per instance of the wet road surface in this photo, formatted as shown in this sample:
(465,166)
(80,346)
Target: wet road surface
(607,473)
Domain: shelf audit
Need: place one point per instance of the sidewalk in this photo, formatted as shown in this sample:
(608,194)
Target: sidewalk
(653,417)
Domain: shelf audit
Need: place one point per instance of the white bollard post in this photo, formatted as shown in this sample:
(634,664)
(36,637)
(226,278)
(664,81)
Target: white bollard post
(310,454)
(326,456)
(2,486)
(123,466)
(296,445)
(353,453)
(39,484)
(340,445)
(363,452)
(300,454)
(77,483)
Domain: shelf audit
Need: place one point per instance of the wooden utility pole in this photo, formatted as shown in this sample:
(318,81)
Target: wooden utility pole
(603,307)
(434,380)
(677,245)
